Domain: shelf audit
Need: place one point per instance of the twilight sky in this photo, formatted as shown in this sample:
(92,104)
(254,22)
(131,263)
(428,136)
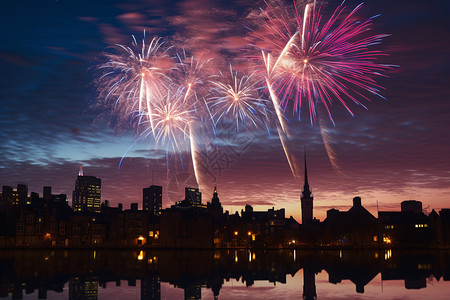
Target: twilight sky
(396,150)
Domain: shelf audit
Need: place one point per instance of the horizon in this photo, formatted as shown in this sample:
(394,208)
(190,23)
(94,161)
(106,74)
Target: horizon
(52,121)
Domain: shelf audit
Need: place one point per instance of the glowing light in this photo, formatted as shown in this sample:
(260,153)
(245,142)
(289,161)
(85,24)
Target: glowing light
(237,98)
(134,78)
(141,255)
(235,233)
(387,254)
(341,64)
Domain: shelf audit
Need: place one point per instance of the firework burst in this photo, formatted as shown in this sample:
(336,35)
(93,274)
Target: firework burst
(316,61)
(237,98)
(172,117)
(135,77)
(192,75)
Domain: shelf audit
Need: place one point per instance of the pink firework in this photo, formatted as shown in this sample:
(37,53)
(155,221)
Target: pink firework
(311,60)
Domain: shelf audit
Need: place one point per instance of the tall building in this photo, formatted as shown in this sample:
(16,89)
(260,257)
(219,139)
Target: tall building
(7,196)
(22,193)
(152,199)
(47,192)
(151,288)
(87,194)
(193,195)
(215,207)
(306,200)
(85,288)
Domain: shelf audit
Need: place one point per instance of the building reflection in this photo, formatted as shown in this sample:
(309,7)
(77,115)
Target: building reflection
(309,284)
(83,287)
(151,288)
(86,272)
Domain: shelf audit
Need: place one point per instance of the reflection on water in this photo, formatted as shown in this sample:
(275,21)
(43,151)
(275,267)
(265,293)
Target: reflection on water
(226,274)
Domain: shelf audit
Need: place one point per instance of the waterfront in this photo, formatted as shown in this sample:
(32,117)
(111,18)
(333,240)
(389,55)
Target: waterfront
(224,274)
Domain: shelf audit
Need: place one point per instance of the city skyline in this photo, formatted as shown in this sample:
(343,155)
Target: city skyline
(394,151)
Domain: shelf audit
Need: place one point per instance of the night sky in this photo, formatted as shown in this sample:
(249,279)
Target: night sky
(398,149)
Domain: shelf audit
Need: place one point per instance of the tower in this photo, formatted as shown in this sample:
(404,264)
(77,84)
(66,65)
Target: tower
(215,207)
(87,194)
(306,200)
(194,196)
(152,199)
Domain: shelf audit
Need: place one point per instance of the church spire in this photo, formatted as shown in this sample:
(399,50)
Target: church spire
(306,199)
(306,190)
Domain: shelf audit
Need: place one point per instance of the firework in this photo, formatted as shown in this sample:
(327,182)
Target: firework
(314,61)
(192,75)
(237,98)
(135,77)
(317,61)
(172,117)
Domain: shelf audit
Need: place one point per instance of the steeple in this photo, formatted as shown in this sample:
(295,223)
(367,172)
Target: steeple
(215,197)
(306,191)
(306,199)
(215,207)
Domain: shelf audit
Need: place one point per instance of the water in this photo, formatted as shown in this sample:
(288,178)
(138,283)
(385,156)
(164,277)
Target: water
(225,274)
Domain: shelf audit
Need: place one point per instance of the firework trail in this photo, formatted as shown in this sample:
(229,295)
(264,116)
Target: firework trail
(135,77)
(327,141)
(234,97)
(309,59)
(193,74)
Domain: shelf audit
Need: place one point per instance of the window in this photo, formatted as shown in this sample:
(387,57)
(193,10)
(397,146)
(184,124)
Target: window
(421,225)
(19,227)
(62,231)
(76,231)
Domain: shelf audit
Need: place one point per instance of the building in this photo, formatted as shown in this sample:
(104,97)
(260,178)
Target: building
(87,193)
(408,227)
(356,227)
(83,287)
(215,208)
(306,199)
(152,199)
(194,196)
